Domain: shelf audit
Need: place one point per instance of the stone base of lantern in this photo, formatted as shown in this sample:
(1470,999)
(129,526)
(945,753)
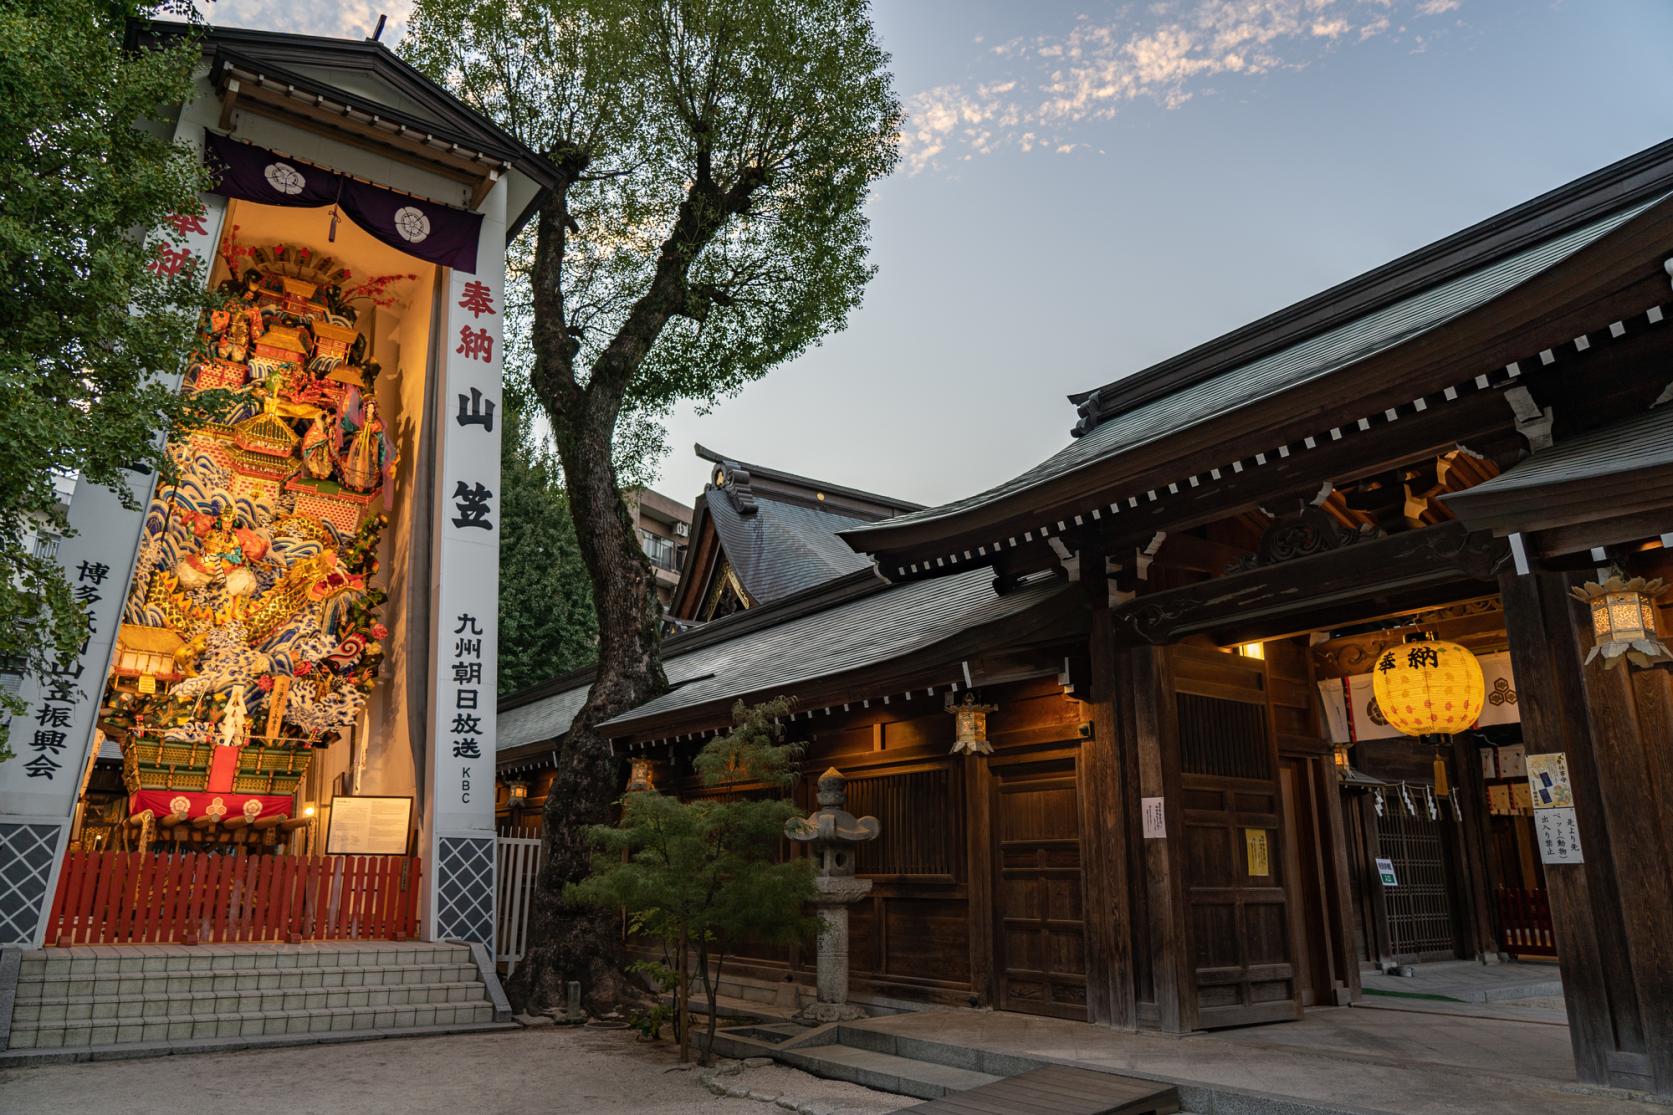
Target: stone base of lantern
(830,1012)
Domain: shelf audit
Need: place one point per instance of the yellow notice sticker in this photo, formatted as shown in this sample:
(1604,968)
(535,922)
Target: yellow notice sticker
(1254,842)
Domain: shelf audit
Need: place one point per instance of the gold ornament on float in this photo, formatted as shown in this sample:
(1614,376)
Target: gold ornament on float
(1425,687)
(1624,620)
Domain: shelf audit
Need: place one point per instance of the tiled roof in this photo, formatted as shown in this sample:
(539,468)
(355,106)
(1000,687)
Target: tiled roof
(783,547)
(900,620)
(1287,369)
(851,633)
(1644,441)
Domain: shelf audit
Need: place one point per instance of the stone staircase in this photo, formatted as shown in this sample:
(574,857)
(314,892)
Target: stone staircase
(116,1000)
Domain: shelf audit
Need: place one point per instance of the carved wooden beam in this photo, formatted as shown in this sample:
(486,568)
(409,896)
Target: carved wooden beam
(1437,555)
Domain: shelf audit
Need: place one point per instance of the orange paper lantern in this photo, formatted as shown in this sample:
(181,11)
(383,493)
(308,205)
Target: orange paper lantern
(1428,688)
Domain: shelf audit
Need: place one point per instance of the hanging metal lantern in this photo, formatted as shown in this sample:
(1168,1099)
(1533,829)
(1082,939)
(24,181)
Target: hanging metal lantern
(970,727)
(639,777)
(1425,687)
(517,792)
(1624,620)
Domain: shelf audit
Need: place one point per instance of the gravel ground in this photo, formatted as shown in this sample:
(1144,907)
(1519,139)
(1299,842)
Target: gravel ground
(553,1069)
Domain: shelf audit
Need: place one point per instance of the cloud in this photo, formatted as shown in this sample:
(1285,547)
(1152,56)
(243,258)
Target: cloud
(353,19)
(1057,83)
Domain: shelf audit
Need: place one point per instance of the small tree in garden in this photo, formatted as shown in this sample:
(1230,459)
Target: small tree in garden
(705,875)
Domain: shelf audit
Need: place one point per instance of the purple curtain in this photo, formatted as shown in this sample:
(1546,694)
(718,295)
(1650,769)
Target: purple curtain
(438,233)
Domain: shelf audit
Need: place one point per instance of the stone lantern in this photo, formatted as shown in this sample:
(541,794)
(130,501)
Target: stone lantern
(833,831)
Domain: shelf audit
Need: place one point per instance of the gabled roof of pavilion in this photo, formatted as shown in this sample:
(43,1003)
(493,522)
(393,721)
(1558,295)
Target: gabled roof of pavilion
(1393,342)
(763,534)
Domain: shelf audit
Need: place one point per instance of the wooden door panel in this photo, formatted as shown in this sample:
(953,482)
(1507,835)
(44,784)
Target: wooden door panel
(1233,865)
(1039,893)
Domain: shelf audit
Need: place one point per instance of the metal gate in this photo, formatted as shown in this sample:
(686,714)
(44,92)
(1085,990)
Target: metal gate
(1421,925)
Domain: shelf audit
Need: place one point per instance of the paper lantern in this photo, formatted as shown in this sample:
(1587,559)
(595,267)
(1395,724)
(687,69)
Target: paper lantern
(1624,620)
(1426,687)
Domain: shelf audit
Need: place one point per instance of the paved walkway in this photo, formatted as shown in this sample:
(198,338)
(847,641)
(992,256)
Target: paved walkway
(1469,982)
(1348,1059)
(575,1071)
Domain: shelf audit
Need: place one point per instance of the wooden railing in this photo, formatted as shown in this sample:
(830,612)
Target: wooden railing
(1525,922)
(107,898)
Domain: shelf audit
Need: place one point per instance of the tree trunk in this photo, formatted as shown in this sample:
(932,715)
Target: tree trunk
(712,986)
(682,1001)
(569,942)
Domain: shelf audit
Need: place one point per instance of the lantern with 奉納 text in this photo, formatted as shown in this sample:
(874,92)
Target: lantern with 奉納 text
(1426,687)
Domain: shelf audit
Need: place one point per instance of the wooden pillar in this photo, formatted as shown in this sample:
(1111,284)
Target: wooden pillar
(1613,913)
(1151,744)
(1480,911)
(978,835)
(1107,824)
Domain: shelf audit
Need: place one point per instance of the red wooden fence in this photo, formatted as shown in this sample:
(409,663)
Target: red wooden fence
(1525,922)
(107,898)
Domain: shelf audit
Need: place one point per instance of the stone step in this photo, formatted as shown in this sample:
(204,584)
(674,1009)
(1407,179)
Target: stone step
(115,1032)
(24,1058)
(151,960)
(63,988)
(883,1071)
(98,1007)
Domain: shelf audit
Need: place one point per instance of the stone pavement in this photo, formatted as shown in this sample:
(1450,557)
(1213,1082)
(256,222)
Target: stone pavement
(553,1069)
(1469,982)
(1337,1059)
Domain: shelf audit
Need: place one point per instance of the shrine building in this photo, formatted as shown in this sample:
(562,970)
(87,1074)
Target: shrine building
(282,726)
(1323,649)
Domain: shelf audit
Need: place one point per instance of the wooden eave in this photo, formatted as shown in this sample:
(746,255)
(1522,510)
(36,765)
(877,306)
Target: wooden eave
(246,85)
(1569,206)
(699,568)
(1614,280)
(1062,618)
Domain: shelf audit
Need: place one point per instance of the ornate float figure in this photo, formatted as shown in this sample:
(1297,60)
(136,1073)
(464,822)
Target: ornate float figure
(225,550)
(833,832)
(369,459)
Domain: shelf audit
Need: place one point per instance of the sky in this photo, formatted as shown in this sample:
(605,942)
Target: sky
(1087,188)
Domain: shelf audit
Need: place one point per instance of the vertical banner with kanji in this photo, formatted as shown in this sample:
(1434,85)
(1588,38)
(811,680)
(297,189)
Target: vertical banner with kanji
(50,740)
(466,596)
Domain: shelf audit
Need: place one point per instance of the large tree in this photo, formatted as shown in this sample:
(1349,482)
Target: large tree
(713,159)
(547,623)
(85,320)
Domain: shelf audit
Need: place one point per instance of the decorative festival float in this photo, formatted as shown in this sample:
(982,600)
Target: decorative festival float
(290,669)
(253,633)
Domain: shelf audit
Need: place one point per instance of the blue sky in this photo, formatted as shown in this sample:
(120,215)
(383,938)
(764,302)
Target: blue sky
(1088,188)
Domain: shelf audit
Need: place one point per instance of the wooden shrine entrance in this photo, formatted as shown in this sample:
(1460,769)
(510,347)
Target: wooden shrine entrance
(1039,902)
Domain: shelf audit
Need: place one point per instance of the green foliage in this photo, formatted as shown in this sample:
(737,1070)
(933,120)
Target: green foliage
(547,623)
(650,1021)
(763,120)
(84,323)
(706,872)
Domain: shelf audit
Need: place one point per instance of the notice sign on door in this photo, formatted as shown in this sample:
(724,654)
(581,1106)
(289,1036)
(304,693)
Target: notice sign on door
(1385,872)
(1552,797)
(368,826)
(1155,821)
(1254,843)
(1548,782)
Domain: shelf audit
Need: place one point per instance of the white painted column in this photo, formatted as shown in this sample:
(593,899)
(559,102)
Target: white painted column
(465,595)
